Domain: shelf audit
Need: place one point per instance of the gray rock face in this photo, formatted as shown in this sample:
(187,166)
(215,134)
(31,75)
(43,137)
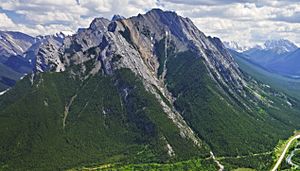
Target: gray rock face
(142,32)
(47,54)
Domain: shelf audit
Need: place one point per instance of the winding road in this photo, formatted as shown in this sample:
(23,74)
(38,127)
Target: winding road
(284,152)
(290,156)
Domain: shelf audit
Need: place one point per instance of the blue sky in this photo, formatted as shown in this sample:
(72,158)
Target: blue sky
(248,22)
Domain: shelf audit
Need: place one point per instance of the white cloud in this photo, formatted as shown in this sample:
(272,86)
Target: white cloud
(48,16)
(245,21)
(6,22)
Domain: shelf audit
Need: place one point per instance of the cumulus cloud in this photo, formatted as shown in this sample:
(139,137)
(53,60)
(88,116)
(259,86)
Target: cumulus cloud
(51,16)
(248,22)
(205,2)
(6,22)
(245,21)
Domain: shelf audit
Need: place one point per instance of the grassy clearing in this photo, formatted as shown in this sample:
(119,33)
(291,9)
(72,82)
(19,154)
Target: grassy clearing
(244,169)
(113,119)
(195,164)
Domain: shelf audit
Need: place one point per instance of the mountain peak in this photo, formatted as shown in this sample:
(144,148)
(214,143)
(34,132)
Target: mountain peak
(99,23)
(117,17)
(156,10)
(280,46)
(161,12)
(233,45)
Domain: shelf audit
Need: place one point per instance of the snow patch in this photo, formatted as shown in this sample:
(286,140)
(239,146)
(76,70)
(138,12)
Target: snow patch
(31,78)
(235,46)
(3,92)
(23,76)
(60,67)
(216,161)
(46,103)
(170,150)
(289,103)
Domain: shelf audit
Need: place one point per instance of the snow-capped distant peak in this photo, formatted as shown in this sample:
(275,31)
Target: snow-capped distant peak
(280,46)
(117,17)
(3,92)
(235,46)
(60,35)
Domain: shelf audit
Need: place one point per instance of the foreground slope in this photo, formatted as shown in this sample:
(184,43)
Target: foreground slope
(148,89)
(61,122)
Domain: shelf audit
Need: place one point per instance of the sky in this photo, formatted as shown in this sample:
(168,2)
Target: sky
(247,22)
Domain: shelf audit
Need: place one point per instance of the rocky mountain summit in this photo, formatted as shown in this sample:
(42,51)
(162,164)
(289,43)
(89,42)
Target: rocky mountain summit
(132,43)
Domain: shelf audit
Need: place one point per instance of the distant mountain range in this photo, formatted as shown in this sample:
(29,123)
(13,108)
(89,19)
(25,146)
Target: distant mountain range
(235,46)
(278,56)
(18,52)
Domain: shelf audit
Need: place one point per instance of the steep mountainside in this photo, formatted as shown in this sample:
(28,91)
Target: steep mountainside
(150,88)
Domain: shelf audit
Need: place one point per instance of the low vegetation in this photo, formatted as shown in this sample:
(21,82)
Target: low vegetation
(110,119)
(196,164)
